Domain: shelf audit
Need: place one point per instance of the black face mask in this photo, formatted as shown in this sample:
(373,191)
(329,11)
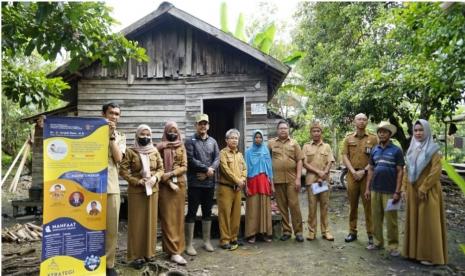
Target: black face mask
(171,137)
(144,141)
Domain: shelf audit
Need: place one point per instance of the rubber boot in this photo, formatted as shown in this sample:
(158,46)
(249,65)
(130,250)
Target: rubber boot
(189,236)
(206,227)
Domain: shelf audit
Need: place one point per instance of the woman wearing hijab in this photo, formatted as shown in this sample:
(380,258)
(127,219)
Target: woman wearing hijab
(173,192)
(142,168)
(259,190)
(425,225)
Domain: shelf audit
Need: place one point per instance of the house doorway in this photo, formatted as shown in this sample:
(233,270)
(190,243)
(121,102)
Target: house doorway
(224,114)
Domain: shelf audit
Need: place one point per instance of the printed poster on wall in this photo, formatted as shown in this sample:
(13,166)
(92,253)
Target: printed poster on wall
(75,182)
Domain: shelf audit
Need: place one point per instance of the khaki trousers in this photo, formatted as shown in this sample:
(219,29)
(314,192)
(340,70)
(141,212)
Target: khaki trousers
(321,199)
(287,199)
(378,204)
(111,235)
(229,213)
(355,191)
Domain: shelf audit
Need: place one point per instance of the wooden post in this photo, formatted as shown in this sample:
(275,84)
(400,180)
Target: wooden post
(14,163)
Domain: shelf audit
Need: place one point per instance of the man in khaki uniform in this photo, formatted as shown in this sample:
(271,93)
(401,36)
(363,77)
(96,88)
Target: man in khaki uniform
(287,158)
(233,175)
(318,161)
(355,155)
(111,112)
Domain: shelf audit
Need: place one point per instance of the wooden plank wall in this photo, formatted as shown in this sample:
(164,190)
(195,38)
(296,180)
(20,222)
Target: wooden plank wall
(177,50)
(156,101)
(185,66)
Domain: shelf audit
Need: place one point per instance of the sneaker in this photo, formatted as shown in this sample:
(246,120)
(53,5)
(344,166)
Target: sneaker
(137,264)
(394,253)
(238,242)
(373,247)
(299,238)
(285,237)
(178,259)
(225,246)
(233,247)
(351,237)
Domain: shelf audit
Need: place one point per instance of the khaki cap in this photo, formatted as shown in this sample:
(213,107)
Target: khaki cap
(201,117)
(388,126)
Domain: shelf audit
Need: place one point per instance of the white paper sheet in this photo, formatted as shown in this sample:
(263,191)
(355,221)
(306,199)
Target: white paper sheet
(392,207)
(148,189)
(316,188)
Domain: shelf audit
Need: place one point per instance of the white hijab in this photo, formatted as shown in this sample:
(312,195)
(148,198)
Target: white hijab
(419,153)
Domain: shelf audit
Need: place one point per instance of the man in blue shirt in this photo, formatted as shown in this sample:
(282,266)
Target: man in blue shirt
(384,180)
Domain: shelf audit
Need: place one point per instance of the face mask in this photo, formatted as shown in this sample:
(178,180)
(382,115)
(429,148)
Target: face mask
(143,141)
(171,137)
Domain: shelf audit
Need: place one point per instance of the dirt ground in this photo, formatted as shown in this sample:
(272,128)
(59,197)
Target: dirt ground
(318,257)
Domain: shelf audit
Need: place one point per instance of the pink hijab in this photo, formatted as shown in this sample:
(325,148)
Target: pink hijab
(168,148)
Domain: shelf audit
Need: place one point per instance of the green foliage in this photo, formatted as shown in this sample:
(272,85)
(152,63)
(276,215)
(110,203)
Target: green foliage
(457,179)
(224,17)
(389,61)
(264,40)
(453,175)
(81,28)
(240,33)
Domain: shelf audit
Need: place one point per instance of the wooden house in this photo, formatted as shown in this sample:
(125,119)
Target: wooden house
(193,68)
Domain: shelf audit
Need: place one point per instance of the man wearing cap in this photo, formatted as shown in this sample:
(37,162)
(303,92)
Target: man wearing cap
(355,154)
(286,157)
(318,161)
(203,160)
(384,180)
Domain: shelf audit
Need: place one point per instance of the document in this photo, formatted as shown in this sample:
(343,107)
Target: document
(391,206)
(148,189)
(316,188)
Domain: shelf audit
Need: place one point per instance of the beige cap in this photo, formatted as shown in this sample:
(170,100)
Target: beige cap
(201,117)
(387,126)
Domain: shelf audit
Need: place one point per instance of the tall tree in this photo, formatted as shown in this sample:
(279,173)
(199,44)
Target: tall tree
(83,29)
(389,61)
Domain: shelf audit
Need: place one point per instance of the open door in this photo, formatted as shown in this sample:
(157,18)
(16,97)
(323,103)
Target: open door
(225,114)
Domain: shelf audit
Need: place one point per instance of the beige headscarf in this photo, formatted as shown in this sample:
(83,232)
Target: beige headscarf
(144,151)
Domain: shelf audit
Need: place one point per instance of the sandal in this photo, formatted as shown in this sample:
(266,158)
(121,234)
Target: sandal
(267,239)
(137,264)
(251,240)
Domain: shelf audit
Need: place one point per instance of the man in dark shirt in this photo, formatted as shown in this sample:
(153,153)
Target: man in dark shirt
(203,158)
(385,179)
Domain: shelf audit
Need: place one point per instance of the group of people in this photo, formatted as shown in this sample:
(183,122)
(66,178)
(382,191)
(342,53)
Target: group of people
(160,174)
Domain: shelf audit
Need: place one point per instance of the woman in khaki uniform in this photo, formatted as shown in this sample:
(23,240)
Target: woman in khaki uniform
(142,168)
(173,192)
(425,222)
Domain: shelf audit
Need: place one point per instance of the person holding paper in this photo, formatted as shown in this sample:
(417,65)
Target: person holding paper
(383,186)
(425,237)
(356,151)
(173,192)
(259,190)
(233,176)
(142,168)
(318,161)
(287,157)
